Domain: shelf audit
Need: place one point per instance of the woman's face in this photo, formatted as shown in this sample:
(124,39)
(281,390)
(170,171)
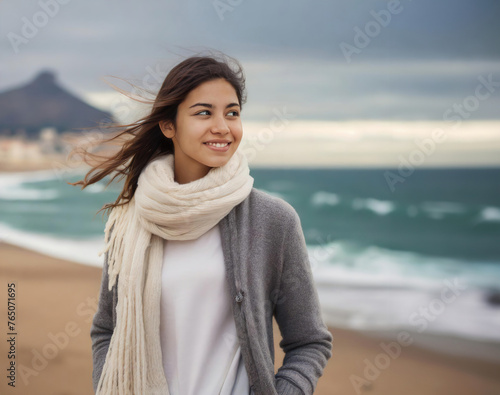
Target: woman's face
(210,113)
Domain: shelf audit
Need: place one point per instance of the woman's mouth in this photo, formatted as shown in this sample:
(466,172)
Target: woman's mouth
(218,146)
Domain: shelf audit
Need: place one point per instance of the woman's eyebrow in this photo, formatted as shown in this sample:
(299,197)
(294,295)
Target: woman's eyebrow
(211,106)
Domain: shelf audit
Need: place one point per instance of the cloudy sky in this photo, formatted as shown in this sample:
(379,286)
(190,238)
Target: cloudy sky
(328,60)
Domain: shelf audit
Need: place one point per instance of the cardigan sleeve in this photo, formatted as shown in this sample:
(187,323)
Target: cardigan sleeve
(307,342)
(102,326)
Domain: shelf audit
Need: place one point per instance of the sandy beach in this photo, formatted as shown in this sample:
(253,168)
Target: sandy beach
(55,302)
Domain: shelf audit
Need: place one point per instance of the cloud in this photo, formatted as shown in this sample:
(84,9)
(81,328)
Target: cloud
(427,57)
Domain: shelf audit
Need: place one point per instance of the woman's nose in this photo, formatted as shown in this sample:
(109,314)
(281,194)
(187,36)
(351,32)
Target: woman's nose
(220,125)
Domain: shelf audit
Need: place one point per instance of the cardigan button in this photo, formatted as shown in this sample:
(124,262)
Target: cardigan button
(239,297)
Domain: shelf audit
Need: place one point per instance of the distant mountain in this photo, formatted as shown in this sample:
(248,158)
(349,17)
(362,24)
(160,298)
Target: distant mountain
(43,103)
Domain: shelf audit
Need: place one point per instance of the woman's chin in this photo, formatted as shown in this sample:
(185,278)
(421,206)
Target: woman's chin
(218,162)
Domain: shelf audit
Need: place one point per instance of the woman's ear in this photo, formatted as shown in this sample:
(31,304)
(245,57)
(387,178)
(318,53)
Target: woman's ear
(167,128)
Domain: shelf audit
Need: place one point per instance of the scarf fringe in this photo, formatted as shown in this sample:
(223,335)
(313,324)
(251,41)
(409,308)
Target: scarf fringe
(122,379)
(114,233)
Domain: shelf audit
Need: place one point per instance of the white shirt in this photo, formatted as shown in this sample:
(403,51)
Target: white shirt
(200,349)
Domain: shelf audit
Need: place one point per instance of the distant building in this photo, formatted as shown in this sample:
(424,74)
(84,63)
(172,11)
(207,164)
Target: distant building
(50,141)
(17,149)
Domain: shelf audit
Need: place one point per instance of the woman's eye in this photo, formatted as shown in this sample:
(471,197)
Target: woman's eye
(207,112)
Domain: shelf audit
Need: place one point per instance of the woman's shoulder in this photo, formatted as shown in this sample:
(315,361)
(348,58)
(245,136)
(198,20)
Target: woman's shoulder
(273,207)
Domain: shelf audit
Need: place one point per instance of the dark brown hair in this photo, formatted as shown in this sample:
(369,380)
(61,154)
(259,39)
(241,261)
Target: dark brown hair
(144,138)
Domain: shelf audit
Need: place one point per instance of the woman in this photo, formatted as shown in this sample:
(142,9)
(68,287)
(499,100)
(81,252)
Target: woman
(198,261)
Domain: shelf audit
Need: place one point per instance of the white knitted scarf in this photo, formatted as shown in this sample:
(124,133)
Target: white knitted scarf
(160,209)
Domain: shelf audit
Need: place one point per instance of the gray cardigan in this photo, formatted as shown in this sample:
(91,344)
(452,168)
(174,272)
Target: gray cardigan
(269,273)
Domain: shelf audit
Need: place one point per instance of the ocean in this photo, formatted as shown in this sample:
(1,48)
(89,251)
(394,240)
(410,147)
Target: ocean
(423,256)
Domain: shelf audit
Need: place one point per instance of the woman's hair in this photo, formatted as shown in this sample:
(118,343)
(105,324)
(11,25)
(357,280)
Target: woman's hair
(144,138)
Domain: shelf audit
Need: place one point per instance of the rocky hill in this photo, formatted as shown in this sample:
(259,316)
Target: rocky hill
(44,103)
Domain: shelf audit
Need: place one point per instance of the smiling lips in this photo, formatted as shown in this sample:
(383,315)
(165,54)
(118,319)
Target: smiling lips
(218,146)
